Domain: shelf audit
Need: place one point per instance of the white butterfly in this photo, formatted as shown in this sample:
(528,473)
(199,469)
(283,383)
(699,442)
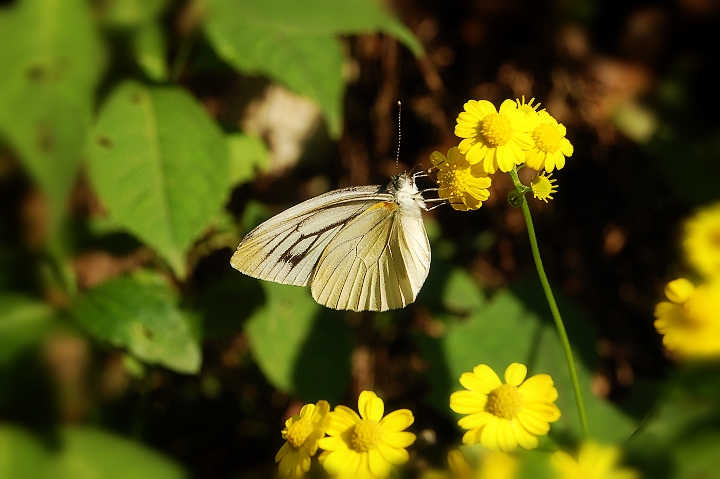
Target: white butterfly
(363,248)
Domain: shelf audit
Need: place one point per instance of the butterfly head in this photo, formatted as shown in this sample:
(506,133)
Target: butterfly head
(406,193)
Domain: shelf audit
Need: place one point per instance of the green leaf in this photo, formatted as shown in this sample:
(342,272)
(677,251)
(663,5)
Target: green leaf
(142,316)
(49,66)
(302,348)
(462,294)
(516,327)
(89,453)
(160,165)
(85,453)
(130,13)
(248,156)
(150,48)
(296,43)
(22,322)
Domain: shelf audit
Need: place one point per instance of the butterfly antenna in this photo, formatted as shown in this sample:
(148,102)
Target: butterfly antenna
(397,156)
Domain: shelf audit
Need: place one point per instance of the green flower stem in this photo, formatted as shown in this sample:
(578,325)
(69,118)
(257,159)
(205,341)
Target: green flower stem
(521,189)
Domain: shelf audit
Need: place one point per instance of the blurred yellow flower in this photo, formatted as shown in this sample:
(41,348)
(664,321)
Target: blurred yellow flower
(702,241)
(302,432)
(494,139)
(550,147)
(365,446)
(464,185)
(690,321)
(493,465)
(543,187)
(505,415)
(594,462)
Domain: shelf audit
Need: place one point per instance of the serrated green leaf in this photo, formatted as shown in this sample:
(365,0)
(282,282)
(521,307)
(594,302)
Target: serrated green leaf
(143,317)
(302,348)
(160,165)
(49,66)
(22,322)
(516,327)
(248,156)
(150,48)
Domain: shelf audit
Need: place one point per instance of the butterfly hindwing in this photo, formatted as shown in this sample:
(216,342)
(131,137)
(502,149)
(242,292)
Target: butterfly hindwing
(378,261)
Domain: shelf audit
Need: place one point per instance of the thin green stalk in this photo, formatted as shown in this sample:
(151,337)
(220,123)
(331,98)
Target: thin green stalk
(521,189)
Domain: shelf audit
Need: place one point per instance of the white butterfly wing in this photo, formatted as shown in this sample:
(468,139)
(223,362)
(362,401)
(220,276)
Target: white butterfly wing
(378,261)
(286,248)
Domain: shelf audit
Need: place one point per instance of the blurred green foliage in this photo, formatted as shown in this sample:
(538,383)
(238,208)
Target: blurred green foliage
(158,344)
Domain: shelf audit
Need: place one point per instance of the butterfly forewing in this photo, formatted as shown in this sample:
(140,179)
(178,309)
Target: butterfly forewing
(286,248)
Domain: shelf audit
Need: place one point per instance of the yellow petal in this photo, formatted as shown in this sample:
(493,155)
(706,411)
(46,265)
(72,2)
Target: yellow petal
(471,437)
(467,402)
(397,420)
(679,290)
(480,384)
(533,424)
(378,465)
(283,451)
(538,388)
(363,468)
(370,406)
(490,161)
(332,443)
(508,106)
(565,464)
(307,411)
(321,409)
(544,411)
(506,436)
(566,147)
(336,461)
(515,374)
(504,159)
(341,419)
(523,437)
(476,420)
(487,376)
(489,434)
(393,455)
(438,159)
(398,440)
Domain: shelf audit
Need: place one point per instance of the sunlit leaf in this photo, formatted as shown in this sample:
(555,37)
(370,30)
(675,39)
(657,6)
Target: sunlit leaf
(150,48)
(462,294)
(22,322)
(516,327)
(130,13)
(248,156)
(160,165)
(49,65)
(295,42)
(301,347)
(142,316)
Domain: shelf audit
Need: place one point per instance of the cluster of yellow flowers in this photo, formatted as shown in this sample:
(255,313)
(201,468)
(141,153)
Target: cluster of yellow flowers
(690,320)
(516,134)
(361,446)
(498,415)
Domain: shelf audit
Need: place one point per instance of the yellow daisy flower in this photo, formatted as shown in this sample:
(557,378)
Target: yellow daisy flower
(464,185)
(302,432)
(550,147)
(365,446)
(689,322)
(594,462)
(495,139)
(528,108)
(702,241)
(543,186)
(505,415)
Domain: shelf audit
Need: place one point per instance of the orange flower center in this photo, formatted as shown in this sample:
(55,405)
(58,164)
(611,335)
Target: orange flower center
(497,129)
(547,138)
(298,432)
(504,402)
(366,435)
